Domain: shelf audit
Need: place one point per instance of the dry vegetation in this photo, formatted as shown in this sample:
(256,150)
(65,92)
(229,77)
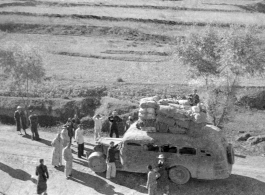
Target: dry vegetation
(89,44)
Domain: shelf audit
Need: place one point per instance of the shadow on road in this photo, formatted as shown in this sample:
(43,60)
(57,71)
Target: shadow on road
(94,182)
(82,162)
(44,141)
(15,173)
(130,180)
(235,184)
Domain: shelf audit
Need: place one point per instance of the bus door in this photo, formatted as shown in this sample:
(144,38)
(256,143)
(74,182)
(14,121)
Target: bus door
(205,164)
(131,156)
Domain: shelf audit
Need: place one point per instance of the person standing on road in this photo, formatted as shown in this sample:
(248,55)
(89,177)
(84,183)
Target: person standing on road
(162,181)
(98,120)
(79,137)
(70,128)
(33,119)
(43,175)
(111,167)
(114,119)
(65,137)
(57,143)
(20,120)
(68,157)
(151,184)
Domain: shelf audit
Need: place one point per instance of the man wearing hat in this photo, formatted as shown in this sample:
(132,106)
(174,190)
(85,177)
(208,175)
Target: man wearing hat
(79,138)
(20,120)
(33,119)
(162,169)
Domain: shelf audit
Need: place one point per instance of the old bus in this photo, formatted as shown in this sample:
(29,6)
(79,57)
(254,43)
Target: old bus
(203,155)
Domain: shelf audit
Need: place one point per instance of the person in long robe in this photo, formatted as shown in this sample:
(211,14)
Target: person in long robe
(43,176)
(33,119)
(70,128)
(68,157)
(65,137)
(151,184)
(19,117)
(57,143)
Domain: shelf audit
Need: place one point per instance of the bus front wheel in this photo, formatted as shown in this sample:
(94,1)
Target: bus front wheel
(179,175)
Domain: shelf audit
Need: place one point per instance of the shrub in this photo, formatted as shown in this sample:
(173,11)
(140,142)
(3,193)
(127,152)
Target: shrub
(120,80)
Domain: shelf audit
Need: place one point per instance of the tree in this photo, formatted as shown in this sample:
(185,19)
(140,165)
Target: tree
(22,64)
(223,55)
(200,51)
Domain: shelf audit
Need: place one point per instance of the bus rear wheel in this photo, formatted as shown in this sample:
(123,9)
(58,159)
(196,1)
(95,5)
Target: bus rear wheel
(179,175)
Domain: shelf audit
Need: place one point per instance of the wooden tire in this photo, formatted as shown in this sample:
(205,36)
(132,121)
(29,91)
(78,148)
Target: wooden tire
(179,175)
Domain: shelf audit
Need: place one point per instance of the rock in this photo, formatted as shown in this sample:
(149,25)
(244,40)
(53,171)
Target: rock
(250,139)
(257,139)
(244,137)
(241,131)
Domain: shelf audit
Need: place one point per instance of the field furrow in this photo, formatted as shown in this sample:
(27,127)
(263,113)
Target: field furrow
(140,15)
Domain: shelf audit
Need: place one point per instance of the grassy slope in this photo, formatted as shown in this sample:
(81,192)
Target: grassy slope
(136,13)
(94,70)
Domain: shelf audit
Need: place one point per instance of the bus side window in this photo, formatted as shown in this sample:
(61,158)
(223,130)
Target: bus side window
(151,147)
(133,144)
(173,150)
(205,153)
(170,149)
(187,151)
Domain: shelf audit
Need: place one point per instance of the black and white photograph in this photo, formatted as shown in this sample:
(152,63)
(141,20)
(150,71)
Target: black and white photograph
(132,97)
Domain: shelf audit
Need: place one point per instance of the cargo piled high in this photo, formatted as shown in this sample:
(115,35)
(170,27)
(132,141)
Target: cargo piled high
(170,116)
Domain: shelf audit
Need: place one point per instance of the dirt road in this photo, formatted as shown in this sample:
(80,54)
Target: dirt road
(19,156)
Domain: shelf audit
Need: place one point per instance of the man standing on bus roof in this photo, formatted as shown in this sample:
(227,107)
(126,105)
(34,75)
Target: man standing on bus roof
(195,99)
(114,119)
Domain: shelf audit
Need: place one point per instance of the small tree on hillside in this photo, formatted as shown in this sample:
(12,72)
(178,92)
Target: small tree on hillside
(22,64)
(226,55)
(200,51)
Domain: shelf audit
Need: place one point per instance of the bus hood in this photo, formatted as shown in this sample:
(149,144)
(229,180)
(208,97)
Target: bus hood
(106,141)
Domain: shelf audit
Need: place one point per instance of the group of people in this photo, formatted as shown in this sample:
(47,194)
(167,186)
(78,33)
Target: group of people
(157,176)
(22,122)
(62,142)
(114,119)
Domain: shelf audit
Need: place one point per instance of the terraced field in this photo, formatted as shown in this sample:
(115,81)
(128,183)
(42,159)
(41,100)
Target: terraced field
(100,41)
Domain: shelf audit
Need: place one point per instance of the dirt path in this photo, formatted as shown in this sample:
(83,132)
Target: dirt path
(19,157)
